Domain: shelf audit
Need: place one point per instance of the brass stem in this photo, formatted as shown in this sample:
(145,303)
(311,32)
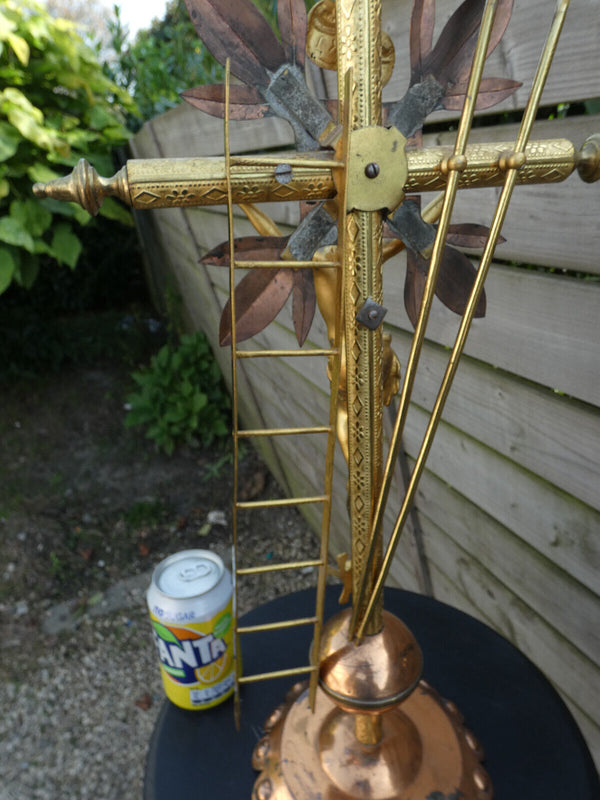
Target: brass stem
(368,728)
(358,27)
(455,165)
(191,182)
(486,259)
(234,397)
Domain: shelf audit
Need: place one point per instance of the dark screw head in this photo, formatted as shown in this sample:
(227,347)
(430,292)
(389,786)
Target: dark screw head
(372,170)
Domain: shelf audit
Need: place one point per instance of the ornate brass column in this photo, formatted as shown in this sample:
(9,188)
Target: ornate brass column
(359,50)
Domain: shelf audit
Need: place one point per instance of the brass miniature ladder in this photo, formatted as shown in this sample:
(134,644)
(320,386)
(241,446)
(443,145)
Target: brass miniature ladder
(333,353)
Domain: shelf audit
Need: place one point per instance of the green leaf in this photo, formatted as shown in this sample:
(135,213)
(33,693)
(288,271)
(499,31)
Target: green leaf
(4,188)
(30,267)
(8,267)
(13,232)
(112,209)
(66,247)
(9,141)
(32,216)
(20,48)
(40,172)
(100,117)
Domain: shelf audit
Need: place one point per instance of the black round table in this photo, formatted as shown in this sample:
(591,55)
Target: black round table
(534,750)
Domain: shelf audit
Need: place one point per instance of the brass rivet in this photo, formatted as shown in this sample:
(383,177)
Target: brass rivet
(372,170)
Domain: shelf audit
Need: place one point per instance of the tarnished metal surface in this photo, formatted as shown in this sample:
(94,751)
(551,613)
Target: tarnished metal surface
(348,748)
(423,752)
(168,183)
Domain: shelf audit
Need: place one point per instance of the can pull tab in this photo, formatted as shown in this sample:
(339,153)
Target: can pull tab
(194,571)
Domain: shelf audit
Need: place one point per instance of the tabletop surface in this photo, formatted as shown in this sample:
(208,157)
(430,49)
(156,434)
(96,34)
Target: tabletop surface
(534,750)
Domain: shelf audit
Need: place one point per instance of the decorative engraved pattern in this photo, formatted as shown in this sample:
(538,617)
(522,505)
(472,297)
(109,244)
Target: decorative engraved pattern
(358,28)
(548,161)
(246,189)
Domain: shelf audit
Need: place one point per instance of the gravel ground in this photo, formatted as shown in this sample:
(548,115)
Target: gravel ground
(79,682)
(79,724)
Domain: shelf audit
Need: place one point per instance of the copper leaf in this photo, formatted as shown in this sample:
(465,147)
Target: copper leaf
(468,234)
(414,286)
(421,36)
(303,303)
(450,60)
(250,248)
(455,281)
(259,297)
(236,29)
(491,91)
(291,18)
(245,102)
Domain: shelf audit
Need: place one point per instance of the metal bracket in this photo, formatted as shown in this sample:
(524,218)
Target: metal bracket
(371,314)
(377,169)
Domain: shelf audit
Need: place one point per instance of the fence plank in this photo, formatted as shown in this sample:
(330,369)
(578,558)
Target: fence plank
(541,327)
(559,599)
(487,600)
(559,527)
(552,436)
(575,73)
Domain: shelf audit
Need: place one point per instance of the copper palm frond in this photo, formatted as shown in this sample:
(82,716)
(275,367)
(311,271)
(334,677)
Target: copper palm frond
(273,84)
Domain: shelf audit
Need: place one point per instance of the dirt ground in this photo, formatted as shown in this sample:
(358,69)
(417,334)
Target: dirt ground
(85,503)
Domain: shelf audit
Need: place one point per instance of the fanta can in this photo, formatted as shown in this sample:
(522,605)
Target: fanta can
(190,604)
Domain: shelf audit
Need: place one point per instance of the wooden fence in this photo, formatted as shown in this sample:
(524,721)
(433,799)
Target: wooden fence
(507,523)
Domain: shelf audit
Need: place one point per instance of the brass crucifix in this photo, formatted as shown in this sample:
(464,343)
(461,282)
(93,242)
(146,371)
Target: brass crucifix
(356,171)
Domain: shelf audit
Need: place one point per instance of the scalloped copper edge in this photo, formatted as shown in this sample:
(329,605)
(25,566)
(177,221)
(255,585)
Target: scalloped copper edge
(425,752)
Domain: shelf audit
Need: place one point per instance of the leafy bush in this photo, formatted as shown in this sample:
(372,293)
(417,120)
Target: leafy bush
(56,106)
(181,397)
(165,59)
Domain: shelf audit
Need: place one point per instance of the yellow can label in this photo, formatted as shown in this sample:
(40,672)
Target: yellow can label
(196,659)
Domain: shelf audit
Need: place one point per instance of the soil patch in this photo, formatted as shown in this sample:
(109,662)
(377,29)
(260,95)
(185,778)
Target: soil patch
(86,503)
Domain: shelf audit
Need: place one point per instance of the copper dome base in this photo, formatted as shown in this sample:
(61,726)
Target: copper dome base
(377,732)
(424,753)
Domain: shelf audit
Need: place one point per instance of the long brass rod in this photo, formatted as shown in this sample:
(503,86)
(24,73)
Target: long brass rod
(513,165)
(286,264)
(284,431)
(234,398)
(315,562)
(277,626)
(282,160)
(187,182)
(279,673)
(455,165)
(282,502)
(285,353)
(336,365)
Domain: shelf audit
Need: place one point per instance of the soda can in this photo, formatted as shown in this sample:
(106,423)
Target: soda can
(190,604)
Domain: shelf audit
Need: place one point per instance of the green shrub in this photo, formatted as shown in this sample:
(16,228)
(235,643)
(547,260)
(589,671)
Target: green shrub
(180,397)
(56,106)
(165,59)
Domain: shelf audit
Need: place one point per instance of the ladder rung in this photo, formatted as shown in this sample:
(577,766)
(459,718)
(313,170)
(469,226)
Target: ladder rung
(283,502)
(276,626)
(277,567)
(285,264)
(280,673)
(284,353)
(284,431)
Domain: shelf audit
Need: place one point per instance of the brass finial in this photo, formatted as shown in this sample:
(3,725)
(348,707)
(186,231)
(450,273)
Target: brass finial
(588,159)
(86,187)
